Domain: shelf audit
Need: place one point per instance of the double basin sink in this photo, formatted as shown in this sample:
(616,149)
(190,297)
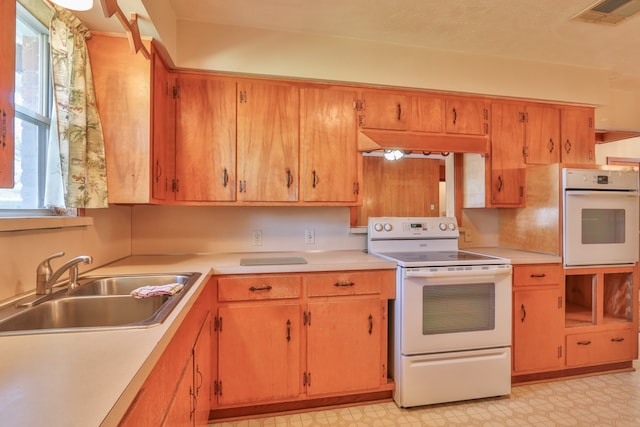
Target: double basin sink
(98,303)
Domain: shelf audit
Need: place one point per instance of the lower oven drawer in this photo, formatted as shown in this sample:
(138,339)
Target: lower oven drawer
(450,377)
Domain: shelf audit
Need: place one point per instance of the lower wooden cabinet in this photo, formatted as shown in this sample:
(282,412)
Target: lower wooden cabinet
(299,337)
(538,318)
(601,347)
(177,391)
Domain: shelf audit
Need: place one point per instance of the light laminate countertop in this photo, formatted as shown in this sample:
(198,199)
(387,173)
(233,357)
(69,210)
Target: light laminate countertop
(90,378)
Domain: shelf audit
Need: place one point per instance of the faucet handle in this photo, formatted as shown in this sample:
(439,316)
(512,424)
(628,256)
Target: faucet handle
(45,267)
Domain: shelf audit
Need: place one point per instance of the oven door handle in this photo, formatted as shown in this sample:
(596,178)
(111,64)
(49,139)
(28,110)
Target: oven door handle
(458,273)
(601,193)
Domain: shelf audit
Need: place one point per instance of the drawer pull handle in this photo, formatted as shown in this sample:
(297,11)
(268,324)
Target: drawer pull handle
(538,276)
(260,288)
(584,342)
(344,284)
(617,339)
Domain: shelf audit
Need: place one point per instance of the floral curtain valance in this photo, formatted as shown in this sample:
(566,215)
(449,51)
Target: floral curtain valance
(79,131)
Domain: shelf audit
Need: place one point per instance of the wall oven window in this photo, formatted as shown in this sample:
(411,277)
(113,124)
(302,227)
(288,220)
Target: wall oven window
(458,308)
(603,226)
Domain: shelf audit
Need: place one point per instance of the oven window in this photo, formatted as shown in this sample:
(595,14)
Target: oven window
(458,308)
(602,226)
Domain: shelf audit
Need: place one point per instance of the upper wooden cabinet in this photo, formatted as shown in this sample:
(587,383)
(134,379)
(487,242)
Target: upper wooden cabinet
(507,166)
(467,116)
(267,142)
(542,136)
(123,83)
(205,139)
(7,85)
(385,110)
(577,135)
(328,145)
(162,129)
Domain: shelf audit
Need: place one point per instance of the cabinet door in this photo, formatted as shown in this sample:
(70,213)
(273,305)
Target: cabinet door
(577,135)
(385,110)
(427,113)
(267,142)
(123,94)
(258,353)
(542,143)
(205,151)
(328,145)
(7,85)
(202,370)
(467,116)
(538,330)
(162,128)
(507,165)
(182,408)
(343,346)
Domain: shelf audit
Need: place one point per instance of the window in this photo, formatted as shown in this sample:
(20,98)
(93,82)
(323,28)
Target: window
(33,100)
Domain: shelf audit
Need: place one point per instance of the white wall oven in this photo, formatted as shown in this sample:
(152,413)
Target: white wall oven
(600,217)
(451,321)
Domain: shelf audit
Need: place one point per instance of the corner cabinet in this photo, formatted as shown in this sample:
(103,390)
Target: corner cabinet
(577,133)
(538,310)
(300,340)
(126,83)
(178,388)
(7,87)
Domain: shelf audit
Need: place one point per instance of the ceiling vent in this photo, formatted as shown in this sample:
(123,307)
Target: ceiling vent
(609,12)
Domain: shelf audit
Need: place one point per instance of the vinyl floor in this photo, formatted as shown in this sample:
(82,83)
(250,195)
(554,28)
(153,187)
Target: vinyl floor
(601,400)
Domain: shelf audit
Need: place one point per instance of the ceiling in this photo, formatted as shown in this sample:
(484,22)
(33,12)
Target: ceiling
(533,30)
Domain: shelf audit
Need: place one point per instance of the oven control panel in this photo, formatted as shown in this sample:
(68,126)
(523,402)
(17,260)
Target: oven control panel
(413,228)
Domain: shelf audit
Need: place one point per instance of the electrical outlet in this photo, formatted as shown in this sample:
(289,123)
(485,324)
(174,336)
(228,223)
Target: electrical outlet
(257,237)
(309,237)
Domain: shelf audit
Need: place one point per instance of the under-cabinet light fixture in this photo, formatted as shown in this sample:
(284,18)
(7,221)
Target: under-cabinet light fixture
(74,4)
(393,154)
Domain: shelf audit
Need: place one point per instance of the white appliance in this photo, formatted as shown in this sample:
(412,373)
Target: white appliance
(600,217)
(451,319)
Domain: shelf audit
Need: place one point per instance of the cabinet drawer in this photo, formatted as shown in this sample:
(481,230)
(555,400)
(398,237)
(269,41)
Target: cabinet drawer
(347,283)
(538,274)
(601,347)
(259,288)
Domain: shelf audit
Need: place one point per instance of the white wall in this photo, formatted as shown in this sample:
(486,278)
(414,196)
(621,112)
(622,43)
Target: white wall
(199,229)
(250,50)
(21,251)
(625,148)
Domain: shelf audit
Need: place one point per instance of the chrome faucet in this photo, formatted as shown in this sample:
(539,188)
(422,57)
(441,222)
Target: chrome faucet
(46,279)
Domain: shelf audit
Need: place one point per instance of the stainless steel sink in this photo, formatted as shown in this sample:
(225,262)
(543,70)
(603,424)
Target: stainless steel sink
(101,302)
(123,285)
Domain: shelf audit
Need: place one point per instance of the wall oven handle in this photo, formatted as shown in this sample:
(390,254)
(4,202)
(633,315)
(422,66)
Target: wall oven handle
(458,273)
(610,193)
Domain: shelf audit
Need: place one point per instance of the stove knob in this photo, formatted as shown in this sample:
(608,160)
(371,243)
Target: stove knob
(443,226)
(452,226)
(377,226)
(388,227)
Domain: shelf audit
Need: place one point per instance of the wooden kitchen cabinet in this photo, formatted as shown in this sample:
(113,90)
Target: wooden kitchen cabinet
(507,165)
(383,109)
(538,311)
(123,84)
(177,390)
(328,145)
(267,141)
(7,87)
(577,135)
(162,130)
(297,340)
(205,138)
(259,339)
(542,136)
(601,315)
(467,116)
